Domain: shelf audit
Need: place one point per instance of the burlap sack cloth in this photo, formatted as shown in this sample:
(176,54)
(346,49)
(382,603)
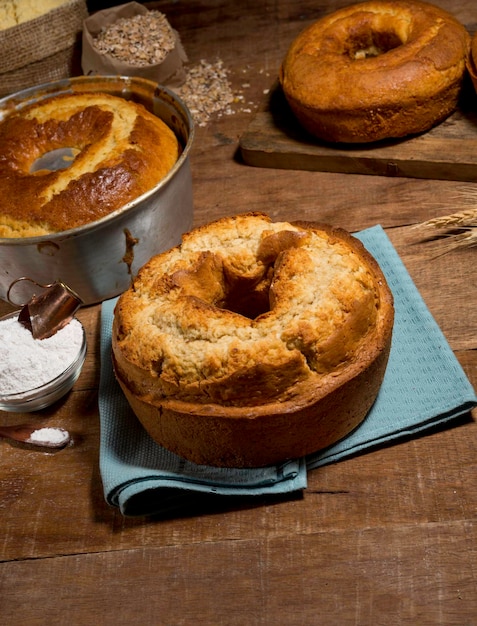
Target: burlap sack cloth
(42,50)
(93,62)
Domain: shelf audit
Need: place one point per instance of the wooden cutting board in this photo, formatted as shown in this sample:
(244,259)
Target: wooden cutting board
(447,152)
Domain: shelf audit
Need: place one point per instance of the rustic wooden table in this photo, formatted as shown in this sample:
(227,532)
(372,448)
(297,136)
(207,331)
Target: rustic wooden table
(389,537)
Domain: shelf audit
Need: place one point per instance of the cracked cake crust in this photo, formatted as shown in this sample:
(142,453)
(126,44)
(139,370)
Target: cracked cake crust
(249,319)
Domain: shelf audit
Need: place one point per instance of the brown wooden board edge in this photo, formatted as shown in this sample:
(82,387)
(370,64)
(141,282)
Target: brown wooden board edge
(448,151)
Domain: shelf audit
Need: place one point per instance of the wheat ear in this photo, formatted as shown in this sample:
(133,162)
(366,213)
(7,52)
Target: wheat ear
(461,230)
(462,219)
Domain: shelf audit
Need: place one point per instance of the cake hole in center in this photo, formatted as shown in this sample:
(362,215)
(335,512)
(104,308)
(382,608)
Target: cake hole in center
(373,45)
(249,302)
(54,160)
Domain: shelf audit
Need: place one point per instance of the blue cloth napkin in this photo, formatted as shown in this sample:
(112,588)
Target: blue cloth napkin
(424,386)
(142,478)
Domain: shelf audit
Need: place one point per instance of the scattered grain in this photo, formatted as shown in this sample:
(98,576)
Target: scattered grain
(207,91)
(140,40)
(146,39)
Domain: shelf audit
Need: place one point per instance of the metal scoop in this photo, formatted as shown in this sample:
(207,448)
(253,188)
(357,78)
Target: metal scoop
(46,314)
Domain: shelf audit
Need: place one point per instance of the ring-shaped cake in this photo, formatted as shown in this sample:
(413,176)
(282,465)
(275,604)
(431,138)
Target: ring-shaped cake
(375,70)
(254,341)
(114,150)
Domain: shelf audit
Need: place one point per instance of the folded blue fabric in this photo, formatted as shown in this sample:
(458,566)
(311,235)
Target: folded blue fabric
(424,386)
(142,478)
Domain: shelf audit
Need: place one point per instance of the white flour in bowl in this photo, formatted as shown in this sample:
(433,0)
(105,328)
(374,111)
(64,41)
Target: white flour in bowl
(26,363)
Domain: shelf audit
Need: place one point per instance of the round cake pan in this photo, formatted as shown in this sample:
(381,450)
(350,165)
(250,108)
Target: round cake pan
(99,260)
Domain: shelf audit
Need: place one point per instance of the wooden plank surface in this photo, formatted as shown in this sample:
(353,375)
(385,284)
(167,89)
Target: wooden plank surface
(446,152)
(387,537)
(367,576)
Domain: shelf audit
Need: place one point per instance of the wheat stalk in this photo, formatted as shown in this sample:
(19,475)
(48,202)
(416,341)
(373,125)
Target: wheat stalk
(449,242)
(459,230)
(462,219)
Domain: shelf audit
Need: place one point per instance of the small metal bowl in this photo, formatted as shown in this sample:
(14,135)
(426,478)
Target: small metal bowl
(48,393)
(99,260)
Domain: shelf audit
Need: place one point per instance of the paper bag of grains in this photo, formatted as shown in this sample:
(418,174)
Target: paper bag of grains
(40,42)
(130,40)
